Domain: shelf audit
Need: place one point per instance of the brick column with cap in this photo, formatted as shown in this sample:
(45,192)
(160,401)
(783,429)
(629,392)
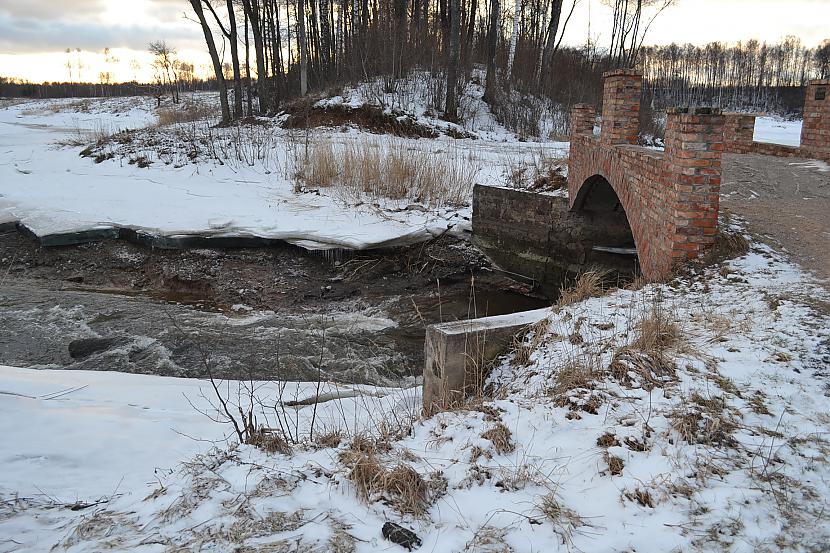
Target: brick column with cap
(622,89)
(815,132)
(694,149)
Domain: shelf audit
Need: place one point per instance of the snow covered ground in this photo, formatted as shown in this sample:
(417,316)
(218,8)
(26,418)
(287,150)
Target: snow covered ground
(714,436)
(777,131)
(52,190)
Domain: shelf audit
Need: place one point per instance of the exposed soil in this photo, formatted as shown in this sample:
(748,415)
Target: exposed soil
(305,114)
(786,201)
(185,303)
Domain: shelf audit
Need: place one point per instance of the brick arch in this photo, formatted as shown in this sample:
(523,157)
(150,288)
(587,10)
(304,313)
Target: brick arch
(671,197)
(593,195)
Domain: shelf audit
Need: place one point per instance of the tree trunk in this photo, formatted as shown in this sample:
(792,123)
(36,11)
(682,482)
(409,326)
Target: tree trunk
(252,9)
(325,36)
(514,38)
(214,56)
(303,47)
(237,75)
(550,42)
(492,43)
(451,105)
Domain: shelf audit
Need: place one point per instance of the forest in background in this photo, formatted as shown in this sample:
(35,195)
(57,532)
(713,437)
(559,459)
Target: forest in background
(270,52)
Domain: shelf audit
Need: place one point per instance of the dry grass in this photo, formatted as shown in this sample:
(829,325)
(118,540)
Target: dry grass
(184,113)
(705,421)
(657,331)
(607,440)
(564,520)
(329,439)
(401,486)
(270,442)
(501,437)
(525,345)
(732,244)
(386,168)
(588,285)
(641,496)
(632,367)
(615,465)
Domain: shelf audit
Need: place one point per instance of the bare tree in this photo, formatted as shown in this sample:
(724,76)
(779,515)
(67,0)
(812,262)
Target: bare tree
(822,59)
(214,56)
(165,65)
(628,32)
(231,33)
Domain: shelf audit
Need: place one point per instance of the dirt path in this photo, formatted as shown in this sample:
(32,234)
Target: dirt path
(786,200)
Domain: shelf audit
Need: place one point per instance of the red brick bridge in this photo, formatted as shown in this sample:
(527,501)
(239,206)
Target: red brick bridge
(670,198)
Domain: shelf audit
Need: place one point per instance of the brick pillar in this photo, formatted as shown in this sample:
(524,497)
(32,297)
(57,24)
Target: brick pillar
(694,149)
(622,89)
(815,133)
(583,117)
(738,132)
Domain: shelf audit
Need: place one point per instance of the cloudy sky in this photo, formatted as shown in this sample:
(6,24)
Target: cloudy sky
(34,34)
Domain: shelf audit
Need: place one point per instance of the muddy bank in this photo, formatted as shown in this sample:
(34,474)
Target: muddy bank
(277,312)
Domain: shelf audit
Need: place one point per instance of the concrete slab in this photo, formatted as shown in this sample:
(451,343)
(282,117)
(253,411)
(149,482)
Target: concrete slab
(457,355)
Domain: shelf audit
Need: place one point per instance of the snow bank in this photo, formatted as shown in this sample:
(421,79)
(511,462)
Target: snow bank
(722,445)
(54,191)
(777,131)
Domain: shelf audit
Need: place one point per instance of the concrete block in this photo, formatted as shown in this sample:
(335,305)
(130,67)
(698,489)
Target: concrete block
(457,355)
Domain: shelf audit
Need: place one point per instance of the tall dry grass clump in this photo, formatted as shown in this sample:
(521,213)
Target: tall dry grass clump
(184,113)
(386,168)
(588,285)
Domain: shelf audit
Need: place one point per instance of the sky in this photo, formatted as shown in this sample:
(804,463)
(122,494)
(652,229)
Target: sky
(34,34)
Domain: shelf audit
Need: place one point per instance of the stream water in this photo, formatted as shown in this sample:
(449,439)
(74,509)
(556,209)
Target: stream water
(374,335)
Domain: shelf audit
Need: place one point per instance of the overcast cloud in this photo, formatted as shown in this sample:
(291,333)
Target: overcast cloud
(33,26)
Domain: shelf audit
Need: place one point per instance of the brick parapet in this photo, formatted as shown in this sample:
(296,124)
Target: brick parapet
(815,129)
(583,117)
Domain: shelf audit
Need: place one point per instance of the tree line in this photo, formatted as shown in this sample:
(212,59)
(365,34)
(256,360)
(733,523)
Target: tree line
(746,75)
(282,49)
